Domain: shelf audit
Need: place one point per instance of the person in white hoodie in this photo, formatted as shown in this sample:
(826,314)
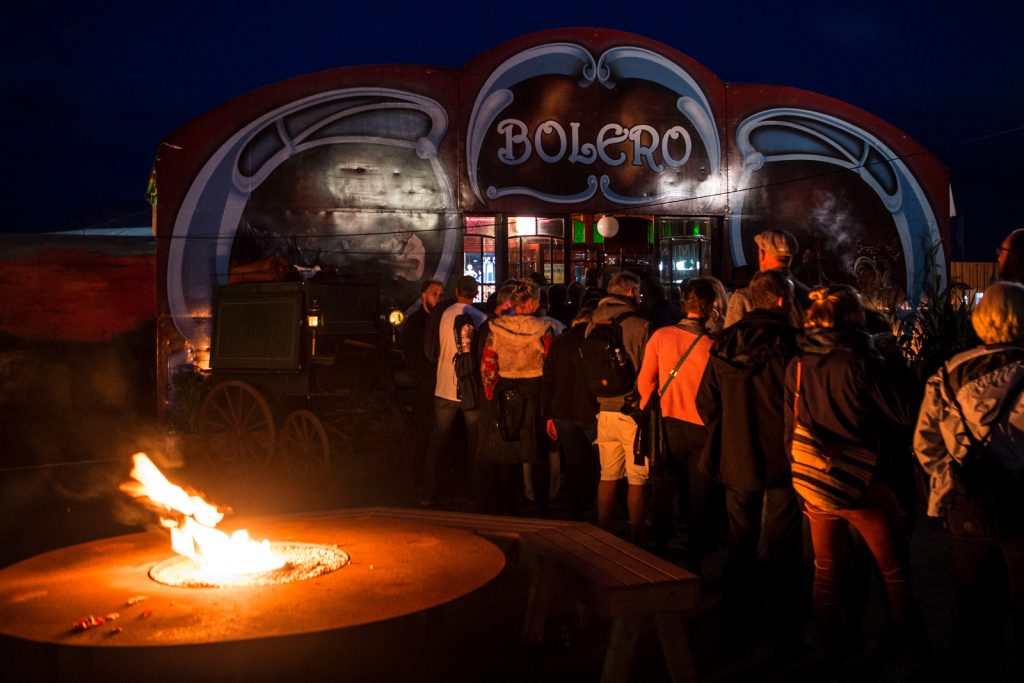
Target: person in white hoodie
(511,369)
(970,441)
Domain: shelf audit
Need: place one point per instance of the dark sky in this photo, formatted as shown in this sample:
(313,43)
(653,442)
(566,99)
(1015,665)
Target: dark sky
(89,89)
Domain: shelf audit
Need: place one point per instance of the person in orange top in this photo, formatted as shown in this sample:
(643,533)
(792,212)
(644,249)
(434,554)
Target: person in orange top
(674,362)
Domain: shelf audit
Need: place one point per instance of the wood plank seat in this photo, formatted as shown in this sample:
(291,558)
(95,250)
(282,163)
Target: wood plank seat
(505,531)
(614,580)
(608,576)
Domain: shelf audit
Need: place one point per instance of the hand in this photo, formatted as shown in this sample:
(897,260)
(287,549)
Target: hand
(552,432)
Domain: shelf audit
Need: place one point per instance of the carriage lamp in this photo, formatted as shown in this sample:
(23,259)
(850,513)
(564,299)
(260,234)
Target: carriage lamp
(313,321)
(202,358)
(395,319)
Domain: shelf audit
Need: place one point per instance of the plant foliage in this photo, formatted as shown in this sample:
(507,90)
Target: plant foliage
(939,326)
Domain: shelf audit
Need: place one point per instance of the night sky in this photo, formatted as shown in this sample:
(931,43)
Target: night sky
(89,89)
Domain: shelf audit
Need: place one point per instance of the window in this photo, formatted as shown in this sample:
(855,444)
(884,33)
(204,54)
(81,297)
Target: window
(478,253)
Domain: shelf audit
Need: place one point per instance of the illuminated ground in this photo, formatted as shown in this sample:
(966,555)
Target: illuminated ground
(472,639)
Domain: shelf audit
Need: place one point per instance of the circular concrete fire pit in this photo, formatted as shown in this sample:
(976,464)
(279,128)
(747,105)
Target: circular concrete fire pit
(396,568)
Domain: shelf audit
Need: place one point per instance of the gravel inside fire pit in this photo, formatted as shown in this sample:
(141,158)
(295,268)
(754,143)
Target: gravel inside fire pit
(302,561)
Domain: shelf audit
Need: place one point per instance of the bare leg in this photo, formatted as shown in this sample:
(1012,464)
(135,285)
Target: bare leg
(636,502)
(606,491)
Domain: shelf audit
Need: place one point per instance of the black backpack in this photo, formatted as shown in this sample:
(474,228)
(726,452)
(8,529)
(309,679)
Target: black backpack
(469,386)
(604,363)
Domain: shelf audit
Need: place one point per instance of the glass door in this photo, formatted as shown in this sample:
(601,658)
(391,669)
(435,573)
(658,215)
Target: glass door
(684,249)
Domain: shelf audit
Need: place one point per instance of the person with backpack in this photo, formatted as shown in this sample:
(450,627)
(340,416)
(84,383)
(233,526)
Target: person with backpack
(740,403)
(457,388)
(610,354)
(970,442)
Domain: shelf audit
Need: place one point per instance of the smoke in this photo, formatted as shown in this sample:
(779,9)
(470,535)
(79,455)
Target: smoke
(832,230)
(73,416)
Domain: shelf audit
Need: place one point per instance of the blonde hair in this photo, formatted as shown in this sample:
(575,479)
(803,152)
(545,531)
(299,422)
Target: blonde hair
(523,291)
(999,317)
(833,305)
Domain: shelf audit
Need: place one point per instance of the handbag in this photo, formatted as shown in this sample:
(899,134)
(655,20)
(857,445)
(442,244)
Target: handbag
(830,475)
(649,436)
(468,386)
(511,407)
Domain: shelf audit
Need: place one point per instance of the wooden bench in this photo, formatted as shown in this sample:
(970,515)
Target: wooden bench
(614,580)
(504,531)
(611,578)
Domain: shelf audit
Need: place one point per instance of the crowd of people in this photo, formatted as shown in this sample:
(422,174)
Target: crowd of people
(778,420)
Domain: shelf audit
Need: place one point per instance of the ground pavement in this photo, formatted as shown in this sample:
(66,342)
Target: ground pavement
(476,638)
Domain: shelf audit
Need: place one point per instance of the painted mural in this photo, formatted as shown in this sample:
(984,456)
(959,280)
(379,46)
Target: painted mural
(860,214)
(374,172)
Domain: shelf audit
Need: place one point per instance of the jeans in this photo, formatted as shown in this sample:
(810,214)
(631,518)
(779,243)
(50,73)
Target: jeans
(577,443)
(421,428)
(445,413)
(989,579)
(782,529)
(695,491)
(880,524)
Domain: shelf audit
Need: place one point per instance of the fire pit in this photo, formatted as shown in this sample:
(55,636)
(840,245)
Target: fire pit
(398,570)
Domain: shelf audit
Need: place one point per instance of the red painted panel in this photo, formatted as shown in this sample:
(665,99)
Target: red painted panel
(76,295)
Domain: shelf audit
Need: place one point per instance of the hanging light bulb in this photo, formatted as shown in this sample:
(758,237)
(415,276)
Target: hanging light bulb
(608,226)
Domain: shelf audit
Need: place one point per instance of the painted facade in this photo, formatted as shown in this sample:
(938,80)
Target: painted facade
(507,165)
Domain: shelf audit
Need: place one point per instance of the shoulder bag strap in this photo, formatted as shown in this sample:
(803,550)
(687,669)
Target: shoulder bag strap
(679,364)
(944,378)
(1011,395)
(796,392)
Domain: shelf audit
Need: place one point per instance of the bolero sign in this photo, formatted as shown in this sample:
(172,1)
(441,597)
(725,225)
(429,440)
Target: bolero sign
(643,139)
(560,126)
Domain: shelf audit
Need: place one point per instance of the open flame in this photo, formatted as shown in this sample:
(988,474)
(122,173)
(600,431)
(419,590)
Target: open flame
(192,522)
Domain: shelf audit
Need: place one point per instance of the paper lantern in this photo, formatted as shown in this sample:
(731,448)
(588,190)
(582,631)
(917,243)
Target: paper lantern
(608,226)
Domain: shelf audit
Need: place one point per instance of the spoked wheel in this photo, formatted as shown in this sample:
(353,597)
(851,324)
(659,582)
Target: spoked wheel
(237,427)
(304,447)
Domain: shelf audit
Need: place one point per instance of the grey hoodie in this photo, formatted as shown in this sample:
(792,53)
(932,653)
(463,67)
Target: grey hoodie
(635,332)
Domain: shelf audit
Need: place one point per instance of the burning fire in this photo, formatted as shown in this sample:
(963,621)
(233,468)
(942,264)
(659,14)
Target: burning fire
(192,522)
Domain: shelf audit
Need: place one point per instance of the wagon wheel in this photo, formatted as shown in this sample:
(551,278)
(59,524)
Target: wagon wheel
(237,426)
(304,446)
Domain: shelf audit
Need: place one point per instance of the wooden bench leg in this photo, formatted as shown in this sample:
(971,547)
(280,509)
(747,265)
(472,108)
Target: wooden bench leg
(579,615)
(619,658)
(676,647)
(537,605)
